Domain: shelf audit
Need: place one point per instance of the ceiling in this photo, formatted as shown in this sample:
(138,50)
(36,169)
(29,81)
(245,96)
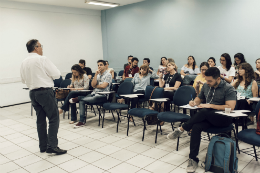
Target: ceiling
(79,3)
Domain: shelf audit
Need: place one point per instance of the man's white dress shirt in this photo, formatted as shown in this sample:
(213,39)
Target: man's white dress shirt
(38,72)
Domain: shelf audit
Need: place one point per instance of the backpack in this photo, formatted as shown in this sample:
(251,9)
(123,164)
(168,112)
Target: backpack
(221,156)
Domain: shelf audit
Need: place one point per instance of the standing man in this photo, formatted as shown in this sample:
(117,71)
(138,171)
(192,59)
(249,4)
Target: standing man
(82,64)
(38,73)
(129,61)
(130,70)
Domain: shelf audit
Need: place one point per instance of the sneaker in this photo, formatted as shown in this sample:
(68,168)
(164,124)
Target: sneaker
(192,166)
(79,124)
(74,100)
(57,150)
(72,122)
(177,133)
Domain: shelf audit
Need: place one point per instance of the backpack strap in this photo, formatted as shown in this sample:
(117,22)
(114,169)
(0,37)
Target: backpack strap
(152,94)
(209,153)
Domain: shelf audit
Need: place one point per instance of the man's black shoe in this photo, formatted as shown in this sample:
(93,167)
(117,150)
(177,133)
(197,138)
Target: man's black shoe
(57,150)
(42,151)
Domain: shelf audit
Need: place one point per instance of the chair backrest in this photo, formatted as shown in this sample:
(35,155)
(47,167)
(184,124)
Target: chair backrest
(121,72)
(257,108)
(125,88)
(90,86)
(57,82)
(65,83)
(183,95)
(128,80)
(68,76)
(152,81)
(158,92)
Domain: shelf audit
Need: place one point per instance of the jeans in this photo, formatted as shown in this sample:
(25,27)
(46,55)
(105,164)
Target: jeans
(89,99)
(201,121)
(65,106)
(45,105)
(188,79)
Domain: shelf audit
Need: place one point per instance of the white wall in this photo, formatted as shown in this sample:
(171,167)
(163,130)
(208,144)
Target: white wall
(67,35)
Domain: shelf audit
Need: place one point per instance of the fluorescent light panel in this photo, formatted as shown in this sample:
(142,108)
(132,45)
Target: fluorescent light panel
(108,4)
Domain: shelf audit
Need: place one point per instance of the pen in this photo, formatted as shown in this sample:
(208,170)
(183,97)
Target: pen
(191,97)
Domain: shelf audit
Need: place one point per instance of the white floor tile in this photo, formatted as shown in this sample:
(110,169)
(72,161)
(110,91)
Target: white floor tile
(39,166)
(143,171)
(97,135)
(174,159)
(59,159)
(108,149)
(18,154)
(138,148)
(252,168)
(106,163)
(27,160)
(3,159)
(92,156)
(123,143)
(73,165)
(95,145)
(68,146)
(125,168)
(8,167)
(89,168)
(10,149)
(110,139)
(140,161)
(21,170)
(179,170)
(79,151)
(54,170)
(155,153)
(21,139)
(83,140)
(159,166)
(123,155)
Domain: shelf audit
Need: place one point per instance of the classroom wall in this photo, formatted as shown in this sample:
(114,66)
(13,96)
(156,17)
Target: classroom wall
(67,35)
(179,28)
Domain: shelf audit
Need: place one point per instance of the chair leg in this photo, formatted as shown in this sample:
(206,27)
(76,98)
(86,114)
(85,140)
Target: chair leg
(177,148)
(63,114)
(255,153)
(113,115)
(128,116)
(31,109)
(236,141)
(133,121)
(118,119)
(172,126)
(100,116)
(144,128)
(104,111)
(69,113)
(161,129)
(156,132)
(86,113)
(208,136)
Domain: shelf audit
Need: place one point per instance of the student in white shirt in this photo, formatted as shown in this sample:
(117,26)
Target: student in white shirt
(227,72)
(38,73)
(163,66)
(110,70)
(189,71)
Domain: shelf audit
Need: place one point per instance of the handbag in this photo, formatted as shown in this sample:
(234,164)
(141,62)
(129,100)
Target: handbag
(61,94)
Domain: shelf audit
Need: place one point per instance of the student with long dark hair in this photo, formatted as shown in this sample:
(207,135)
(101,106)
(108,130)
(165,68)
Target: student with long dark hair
(189,71)
(227,72)
(238,59)
(212,62)
(163,66)
(80,81)
(246,86)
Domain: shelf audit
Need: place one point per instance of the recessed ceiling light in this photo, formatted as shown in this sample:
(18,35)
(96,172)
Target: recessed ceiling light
(108,4)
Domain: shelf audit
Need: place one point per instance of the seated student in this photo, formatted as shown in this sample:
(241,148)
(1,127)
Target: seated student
(163,66)
(212,62)
(227,72)
(146,61)
(130,70)
(171,60)
(110,70)
(239,58)
(80,81)
(200,79)
(88,70)
(130,57)
(171,81)
(257,72)
(246,86)
(215,95)
(189,71)
(101,82)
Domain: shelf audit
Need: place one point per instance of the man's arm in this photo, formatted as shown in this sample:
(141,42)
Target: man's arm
(103,85)
(51,69)
(22,75)
(228,104)
(94,80)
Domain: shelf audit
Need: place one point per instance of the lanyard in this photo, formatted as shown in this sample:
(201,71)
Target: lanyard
(168,81)
(212,96)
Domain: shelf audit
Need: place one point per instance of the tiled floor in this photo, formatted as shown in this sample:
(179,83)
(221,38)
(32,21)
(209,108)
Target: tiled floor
(96,150)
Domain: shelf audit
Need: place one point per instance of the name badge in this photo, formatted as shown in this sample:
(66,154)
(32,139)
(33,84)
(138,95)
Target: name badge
(130,75)
(167,85)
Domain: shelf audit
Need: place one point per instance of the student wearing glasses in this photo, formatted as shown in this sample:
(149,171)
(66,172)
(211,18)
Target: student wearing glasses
(227,72)
(200,79)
